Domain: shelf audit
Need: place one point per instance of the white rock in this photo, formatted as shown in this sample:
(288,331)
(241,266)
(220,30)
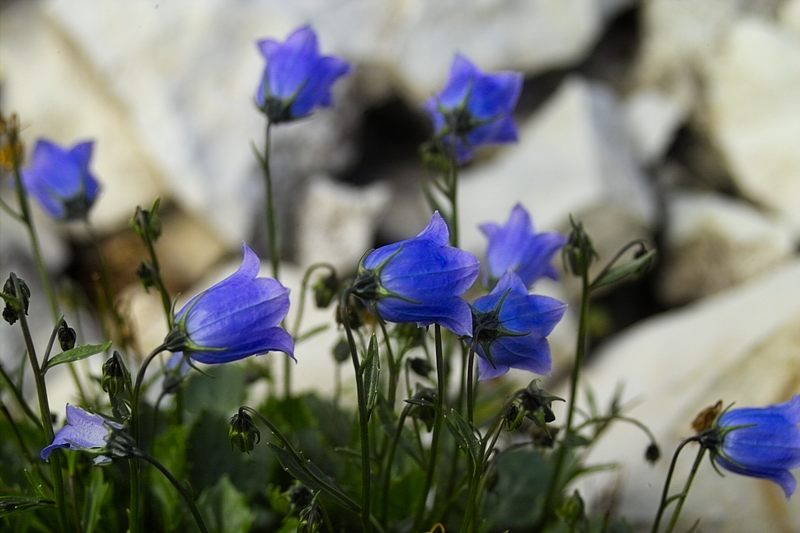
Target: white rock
(574,157)
(652,119)
(336,223)
(712,243)
(61,96)
(753,113)
(740,345)
(790,16)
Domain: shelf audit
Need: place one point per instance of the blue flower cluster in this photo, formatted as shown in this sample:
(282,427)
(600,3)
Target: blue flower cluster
(422,280)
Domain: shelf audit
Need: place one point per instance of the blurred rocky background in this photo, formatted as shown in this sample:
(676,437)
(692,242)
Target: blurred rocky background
(677,121)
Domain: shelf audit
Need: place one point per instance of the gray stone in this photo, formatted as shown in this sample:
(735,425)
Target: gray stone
(752,109)
(652,118)
(574,157)
(337,223)
(712,243)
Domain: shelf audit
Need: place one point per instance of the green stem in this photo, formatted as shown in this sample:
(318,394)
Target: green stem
(580,352)
(437,427)
(166,301)
(105,285)
(394,366)
(472,385)
(10,211)
(44,409)
(20,441)
(665,500)
(453,197)
(343,498)
(180,488)
(363,419)
(136,485)
(387,466)
(301,302)
(25,212)
(20,399)
(682,497)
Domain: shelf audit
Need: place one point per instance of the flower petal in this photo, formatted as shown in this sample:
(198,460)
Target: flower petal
(452,313)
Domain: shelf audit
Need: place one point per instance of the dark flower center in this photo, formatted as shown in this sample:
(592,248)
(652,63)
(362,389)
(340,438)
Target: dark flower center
(366,285)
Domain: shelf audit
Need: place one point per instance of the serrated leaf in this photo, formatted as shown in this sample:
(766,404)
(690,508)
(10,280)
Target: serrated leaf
(312,477)
(465,434)
(76,354)
(371,372)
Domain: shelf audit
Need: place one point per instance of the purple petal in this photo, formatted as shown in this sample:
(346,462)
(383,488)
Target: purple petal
(462,74)
(783,478)
(494,94)
(452,313)
(316,91)
(291,65)
(487,371)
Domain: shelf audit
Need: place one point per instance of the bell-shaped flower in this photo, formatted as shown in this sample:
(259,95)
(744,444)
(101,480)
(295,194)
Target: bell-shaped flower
(515,246)
(475,108)
(238,317)
(60,179)
(83,431)
(762,442)
(511,327)
(296,78)
(420,280)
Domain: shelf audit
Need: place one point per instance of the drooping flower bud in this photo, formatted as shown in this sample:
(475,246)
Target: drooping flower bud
(242,431)
(325,290)
(19,301)
(578,253)
(66,336)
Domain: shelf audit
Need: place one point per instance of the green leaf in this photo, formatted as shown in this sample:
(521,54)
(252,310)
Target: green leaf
(96,495)
(225,509)
(371,372)
(465,435)
(17,504)
(76,354)
(312,477)
(222,391)
(631,269)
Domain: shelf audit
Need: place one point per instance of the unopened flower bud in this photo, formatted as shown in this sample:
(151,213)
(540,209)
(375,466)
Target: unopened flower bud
(116,379)
(652,453)
(578,253)
(299,496)
(12,309)
(341,351)
(242,432)
(147,222)
(66,337)
(146,275)
(325,290)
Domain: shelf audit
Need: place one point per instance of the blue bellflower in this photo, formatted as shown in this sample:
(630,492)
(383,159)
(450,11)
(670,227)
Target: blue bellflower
(511,326)
(83,431)
(420,280)
(475,108)
(762,442)
(60,179)
(238,317)
(296,78)
(515,246)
